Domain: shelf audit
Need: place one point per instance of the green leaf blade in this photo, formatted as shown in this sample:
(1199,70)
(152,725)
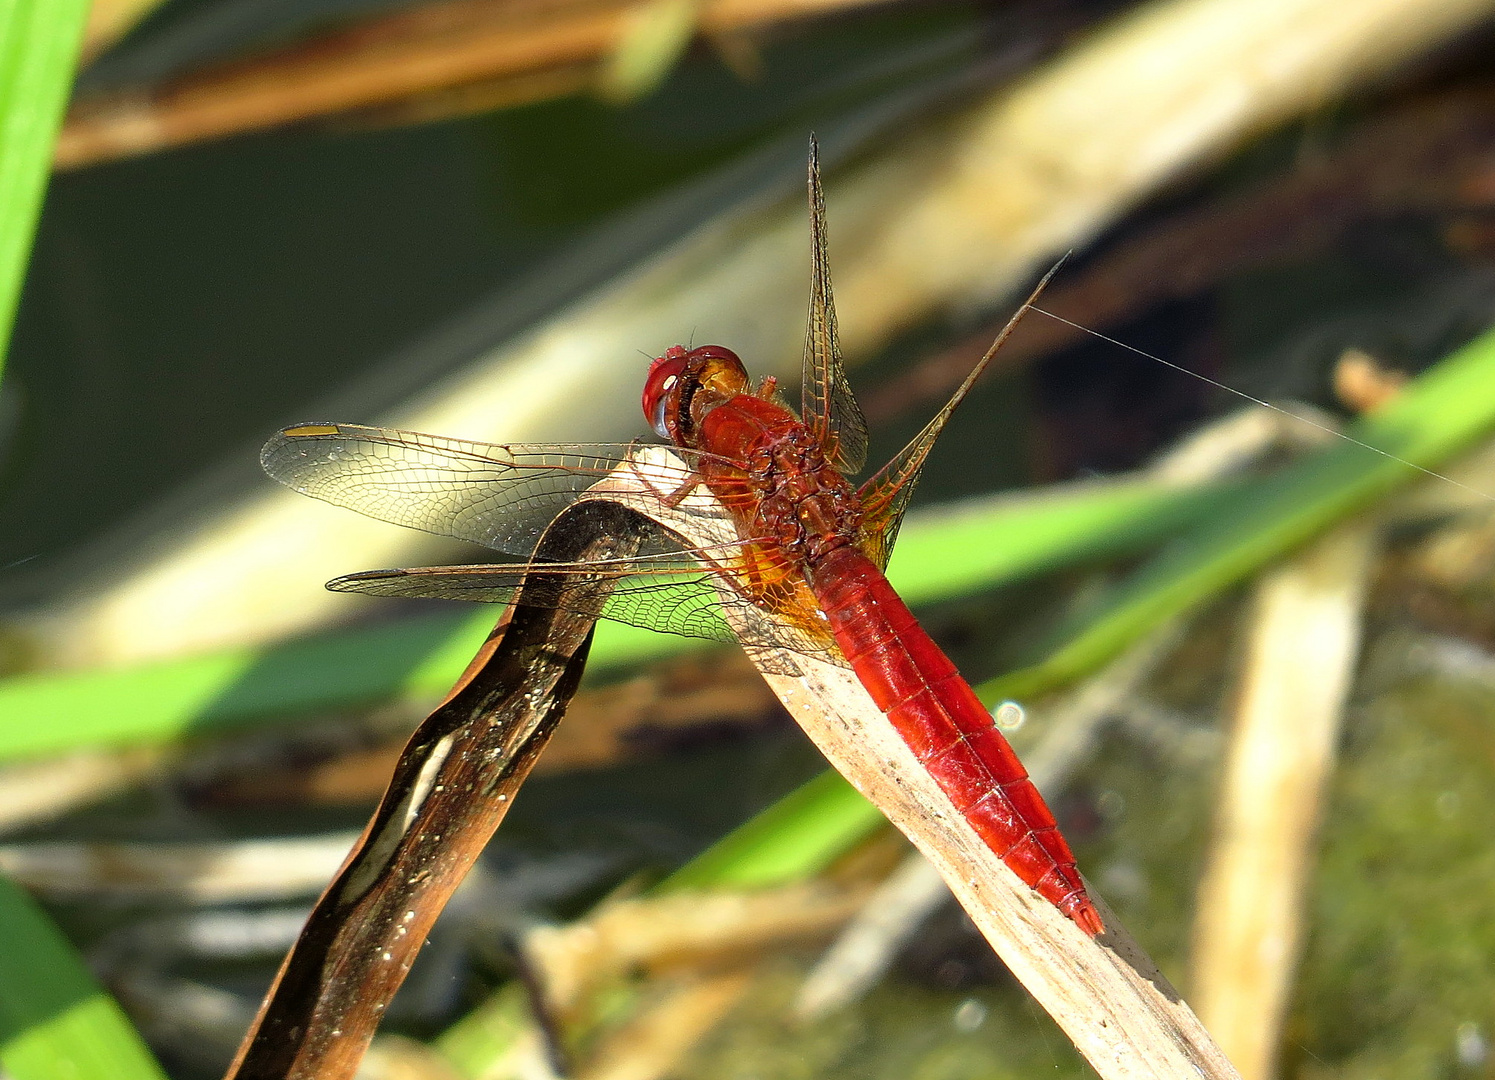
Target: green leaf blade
(39,42)
(56,1022)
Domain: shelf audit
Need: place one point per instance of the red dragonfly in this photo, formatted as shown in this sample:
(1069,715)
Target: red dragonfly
(812,546)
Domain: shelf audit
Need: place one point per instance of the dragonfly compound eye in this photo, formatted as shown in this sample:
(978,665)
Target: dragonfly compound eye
(662,391)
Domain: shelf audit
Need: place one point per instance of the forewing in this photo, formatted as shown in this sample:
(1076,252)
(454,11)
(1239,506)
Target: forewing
(827,404)
(500,496)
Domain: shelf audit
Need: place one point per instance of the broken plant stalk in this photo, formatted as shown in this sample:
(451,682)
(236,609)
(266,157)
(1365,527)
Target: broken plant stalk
(453,784)
(1108,996)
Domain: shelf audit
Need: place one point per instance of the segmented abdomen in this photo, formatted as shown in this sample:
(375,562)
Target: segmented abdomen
(947,728)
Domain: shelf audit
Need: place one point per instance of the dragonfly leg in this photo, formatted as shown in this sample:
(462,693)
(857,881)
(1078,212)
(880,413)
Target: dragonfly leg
(671,499)
(681,493)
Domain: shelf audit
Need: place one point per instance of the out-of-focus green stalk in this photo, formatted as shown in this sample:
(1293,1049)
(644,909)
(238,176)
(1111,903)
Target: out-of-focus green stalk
(795,838)
(39,42)
(56,1022)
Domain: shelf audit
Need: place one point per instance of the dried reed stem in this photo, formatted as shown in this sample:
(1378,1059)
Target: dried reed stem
(1116,1006)
(1304,642)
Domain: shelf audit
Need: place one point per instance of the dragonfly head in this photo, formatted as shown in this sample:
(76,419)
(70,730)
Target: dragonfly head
(684,384)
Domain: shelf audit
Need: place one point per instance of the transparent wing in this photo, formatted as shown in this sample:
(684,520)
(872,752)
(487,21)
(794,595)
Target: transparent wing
(885,495)
(500,496)
(827,404)
(681,601)
(668,592)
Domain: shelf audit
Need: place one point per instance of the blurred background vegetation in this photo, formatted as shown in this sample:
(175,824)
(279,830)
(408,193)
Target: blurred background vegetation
(479,218)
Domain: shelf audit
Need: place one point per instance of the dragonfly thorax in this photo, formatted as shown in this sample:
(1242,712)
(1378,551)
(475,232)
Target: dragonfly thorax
(809,514)
(766,464)
(771,471)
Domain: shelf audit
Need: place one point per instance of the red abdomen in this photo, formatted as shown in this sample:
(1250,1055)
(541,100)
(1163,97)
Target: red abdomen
(947,728)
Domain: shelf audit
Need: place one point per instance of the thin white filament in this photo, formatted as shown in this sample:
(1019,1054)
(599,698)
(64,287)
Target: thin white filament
(1266,404)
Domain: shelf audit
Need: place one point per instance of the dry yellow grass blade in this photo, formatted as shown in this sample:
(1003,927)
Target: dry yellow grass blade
(951,217)
(681,930)
(1300,659)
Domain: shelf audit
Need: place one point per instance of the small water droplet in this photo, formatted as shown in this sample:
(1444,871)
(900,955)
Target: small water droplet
(1124,881)
(1471,1045)
(1110,804)
(970,1014)
(1009,716)
(1448,805)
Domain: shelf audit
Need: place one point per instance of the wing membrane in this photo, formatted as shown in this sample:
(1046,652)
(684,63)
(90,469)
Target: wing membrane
(679,599)
(827,404)
(886,494)
(668,592)
(499,496)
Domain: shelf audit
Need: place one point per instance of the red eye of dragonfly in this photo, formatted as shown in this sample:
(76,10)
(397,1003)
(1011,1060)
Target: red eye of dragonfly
(660,389)
(677,376)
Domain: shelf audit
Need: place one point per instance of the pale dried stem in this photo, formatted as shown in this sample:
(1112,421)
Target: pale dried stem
(1070,729)
(652,1044)
(868,945)
(1301,656)
(859,957)
(36,791)
(699,947)
(679,930)
(203,873)
(1108,996)
(1235,442)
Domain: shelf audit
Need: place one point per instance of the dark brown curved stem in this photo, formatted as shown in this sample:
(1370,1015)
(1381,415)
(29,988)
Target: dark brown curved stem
(452,786)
